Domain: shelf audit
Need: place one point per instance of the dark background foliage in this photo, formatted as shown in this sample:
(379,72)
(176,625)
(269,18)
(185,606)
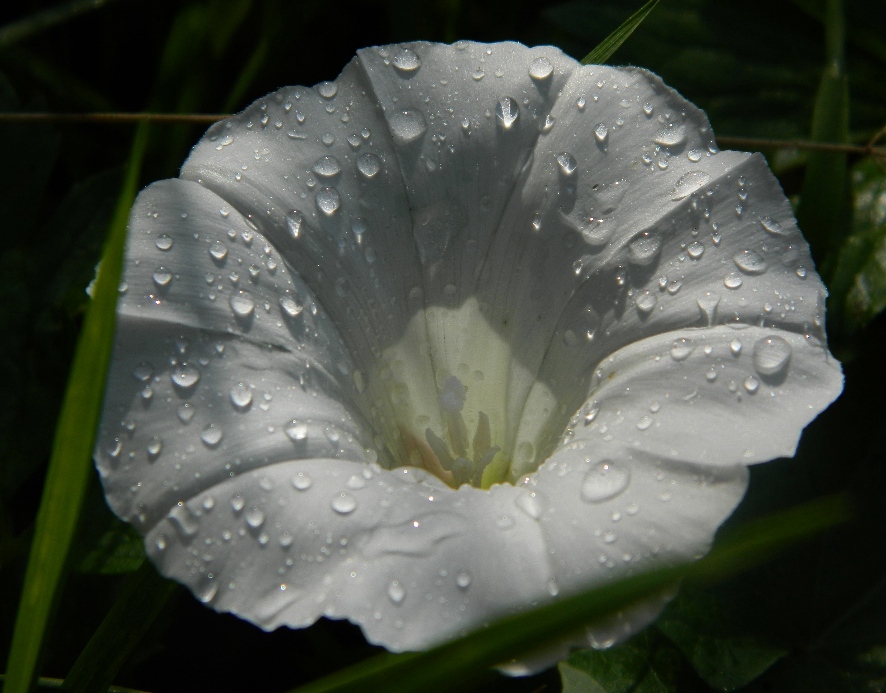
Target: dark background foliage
(811,619)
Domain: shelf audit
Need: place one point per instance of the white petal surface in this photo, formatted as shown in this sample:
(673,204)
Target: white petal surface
(564,241)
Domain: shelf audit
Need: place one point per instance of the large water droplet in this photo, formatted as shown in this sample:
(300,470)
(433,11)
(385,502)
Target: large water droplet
(164,241)
(184,376)
(368,164)
(301,481)
(290,306)
(344,503)
(326,166)
(296,431)
(567,163)
(681,349)
(645,301)
(211,435)
(540,68)
(218,251)
(406,61)
(255,518)
(327,89)
(241,305)
(407,126)
(396,592)
(689,183)
(606,480)
(601,132)
(733,281)
(162,278)
(750,262)
(241,396)
(771,355)
(644,249)
(507,112)
(671,136)
(772,226)
(328,201)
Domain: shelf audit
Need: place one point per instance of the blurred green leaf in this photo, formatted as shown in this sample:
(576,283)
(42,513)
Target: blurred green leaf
(823,211)
(71,462)
(458,662)
(604,50)
(640,665)
(40,21)
(713,643)
(858,286)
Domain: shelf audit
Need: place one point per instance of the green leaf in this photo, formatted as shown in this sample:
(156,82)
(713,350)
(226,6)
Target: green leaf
(823,211)
(640,665)
(604,50)
(858,287)
(460,662)
(713,643)
(71,461)
(141,601)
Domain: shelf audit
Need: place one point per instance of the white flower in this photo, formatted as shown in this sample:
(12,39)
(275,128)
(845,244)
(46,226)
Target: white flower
(468,328)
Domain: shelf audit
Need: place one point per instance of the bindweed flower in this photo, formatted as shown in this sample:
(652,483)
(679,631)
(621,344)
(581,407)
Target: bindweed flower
(468,328)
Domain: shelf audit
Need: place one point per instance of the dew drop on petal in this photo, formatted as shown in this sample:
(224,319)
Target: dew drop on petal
(296,431)
(407,126)
(164,242)
(290,306)
(295,221)
(750,262)
(242,306)
(185,376)
(644,249)
(681,349)
(567,163)
(185,412)
(507,112)
(211,435)
(772,226)
(688,183)
(368,164)
(241,396)
(218,251)
(301,481)
(645,301)
(406,61)
(327,89)
(162,278)
(255,518)
(237,503)
(396,592)
(735,346)
(733,280)
(601,132)
(326,167)
(695,250)
(604,481)
(751,384)
(344,504)
(463,580)
(328,201)
(671,136)
(771,355)
(540,68)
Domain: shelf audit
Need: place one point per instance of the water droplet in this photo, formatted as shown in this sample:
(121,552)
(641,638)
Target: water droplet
(184,521)
(694,156)
(185,412)
(301,482)
(162,278)
(707,304)
(241,305)
(237,503)
(604,481)
(218,251)
(580,103)
(143,371)
(643,249)
(396,592)
(567,163)
(164,242)
(530,503)
(463,579)
(688,183)
(695,250)
(241,396)
(751,384)
(601,132)
(160,542)
(285,539)
(155,446)
(800,272)
(681,349)
(735,346)
(327,166)
(255,518)
(750,262)
(344,504)
(296,431)
(507,112)
(771,355)
(406,61)
(290,306)
(185,376)
(733,280)
(478,74)
(671,136)
(407,126)
(772,226)
(648,109)
(645,301)
(211,435)
(327,89)
(368,164)
(540,68)
(328,201)
(644,423)
(549,123)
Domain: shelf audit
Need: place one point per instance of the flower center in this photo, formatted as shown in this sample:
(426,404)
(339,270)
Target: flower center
(461,405)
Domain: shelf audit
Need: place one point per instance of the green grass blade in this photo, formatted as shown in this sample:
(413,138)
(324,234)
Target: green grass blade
(51,16)
(71,462)
(601,54)
(141,601)
(459,663)
(823,211)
